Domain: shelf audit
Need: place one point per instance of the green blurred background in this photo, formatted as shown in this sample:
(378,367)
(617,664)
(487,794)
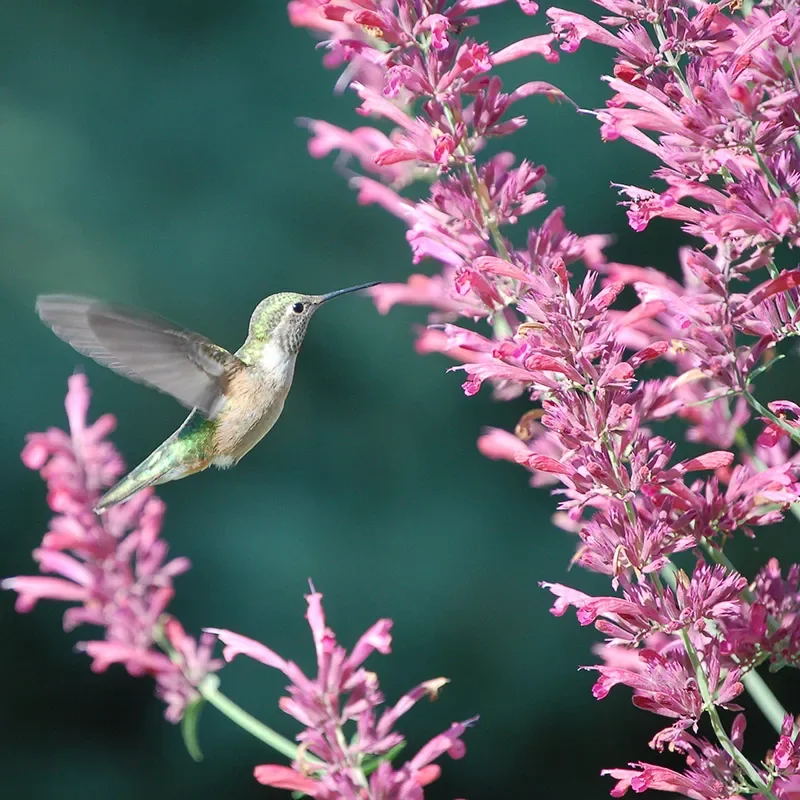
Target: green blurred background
(150,155)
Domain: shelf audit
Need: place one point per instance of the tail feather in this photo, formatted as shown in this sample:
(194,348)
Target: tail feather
(153,470)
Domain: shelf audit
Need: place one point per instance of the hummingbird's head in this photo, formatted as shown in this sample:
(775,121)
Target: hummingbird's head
(283,318)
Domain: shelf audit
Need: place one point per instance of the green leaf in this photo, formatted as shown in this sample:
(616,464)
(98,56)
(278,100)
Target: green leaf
(189,723)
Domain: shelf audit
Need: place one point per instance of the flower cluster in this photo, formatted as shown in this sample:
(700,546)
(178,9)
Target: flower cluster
(113,567)
(722,92)
(344,695)
(715,95)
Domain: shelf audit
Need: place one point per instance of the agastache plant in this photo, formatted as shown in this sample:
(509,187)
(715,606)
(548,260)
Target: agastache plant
(711,90)
(113,568)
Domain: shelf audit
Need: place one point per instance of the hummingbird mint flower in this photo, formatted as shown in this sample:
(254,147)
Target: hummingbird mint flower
(346,739)
(712,91)
(115,567)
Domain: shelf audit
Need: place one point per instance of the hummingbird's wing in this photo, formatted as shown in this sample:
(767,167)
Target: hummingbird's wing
(143,347)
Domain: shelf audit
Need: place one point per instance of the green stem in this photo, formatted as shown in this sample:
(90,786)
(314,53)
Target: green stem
(765,412)
(209,691)
(491,222)
(763,697)
(716,723)
(480,190)
(672,62)
(500,324)
(766,171)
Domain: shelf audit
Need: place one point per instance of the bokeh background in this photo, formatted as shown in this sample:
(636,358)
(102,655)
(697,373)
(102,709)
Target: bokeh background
(150,154)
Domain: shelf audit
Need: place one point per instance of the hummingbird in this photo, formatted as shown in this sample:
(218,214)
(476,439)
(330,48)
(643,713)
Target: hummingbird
(235,398)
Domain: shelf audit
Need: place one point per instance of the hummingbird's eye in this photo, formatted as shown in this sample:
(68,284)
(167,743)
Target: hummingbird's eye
(298,308)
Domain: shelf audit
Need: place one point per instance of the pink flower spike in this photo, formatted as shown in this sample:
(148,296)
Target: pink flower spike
(712,94)
(114,567)
(343,692)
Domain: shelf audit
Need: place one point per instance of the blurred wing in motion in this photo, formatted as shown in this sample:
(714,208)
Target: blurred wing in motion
(143,347)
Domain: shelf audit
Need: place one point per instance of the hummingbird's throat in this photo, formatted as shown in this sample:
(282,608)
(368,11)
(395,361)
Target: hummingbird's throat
(276,361)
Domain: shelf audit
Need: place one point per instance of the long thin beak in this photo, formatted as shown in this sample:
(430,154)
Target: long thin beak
(331,295)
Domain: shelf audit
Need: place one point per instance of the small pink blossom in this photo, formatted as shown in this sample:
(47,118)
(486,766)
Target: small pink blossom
(343,694)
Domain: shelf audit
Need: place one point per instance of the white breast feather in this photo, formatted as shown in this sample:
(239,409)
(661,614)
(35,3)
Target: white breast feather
(276,362)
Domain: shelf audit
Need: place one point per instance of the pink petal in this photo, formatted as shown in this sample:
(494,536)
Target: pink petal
(448,742)
(712,460)
(576,27)
(77,402)
(548,363)
(376,638)
(65,565)
(31,589)
(497,266)
(649,353)
(496,370)
(372,192)
(540,45)
(784,281)
(547,464)
(427,775)
(137,660)
(565,597)
(407,701)
(285,778)
(35,454)
(537,87)
(236,644)
(499,444)
(395,155)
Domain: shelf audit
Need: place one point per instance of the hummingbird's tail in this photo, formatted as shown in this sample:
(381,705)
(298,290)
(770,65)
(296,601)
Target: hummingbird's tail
(160,466)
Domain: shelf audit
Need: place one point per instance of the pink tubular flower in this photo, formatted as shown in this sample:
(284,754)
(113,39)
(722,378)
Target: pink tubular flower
(714,96)
(333,763)
(114,567)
